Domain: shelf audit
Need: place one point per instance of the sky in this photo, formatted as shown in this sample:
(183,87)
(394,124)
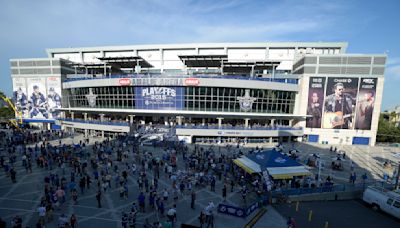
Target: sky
(29,27)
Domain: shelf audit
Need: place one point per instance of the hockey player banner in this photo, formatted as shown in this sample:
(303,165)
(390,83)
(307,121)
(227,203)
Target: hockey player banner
(37,97)
(54,96)
(20,97)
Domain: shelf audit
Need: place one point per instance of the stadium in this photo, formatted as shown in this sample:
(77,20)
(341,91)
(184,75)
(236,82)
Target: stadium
(216,92)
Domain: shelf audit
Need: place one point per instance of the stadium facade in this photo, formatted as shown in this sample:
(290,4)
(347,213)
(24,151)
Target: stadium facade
(266,92)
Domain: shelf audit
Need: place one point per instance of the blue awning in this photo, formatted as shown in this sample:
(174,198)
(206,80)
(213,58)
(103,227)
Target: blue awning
(279,166)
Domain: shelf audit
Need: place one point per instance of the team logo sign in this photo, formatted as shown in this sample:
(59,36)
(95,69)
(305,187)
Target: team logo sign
(91,98)
(280,160)
(260,156)
(246,102)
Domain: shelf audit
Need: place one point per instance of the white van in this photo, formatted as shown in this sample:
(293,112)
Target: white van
(382,199)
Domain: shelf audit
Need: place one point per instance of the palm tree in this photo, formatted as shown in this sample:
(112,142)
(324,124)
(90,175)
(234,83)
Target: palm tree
(393,117)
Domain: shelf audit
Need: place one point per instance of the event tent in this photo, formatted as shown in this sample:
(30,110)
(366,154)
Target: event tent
(278,165)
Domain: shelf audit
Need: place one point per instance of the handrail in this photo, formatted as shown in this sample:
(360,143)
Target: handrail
(143,76)
(94,122)
(330,188)
(238,127)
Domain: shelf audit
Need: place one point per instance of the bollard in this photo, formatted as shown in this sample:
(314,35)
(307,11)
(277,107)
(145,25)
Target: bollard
(297,206)
(310,216)
(326,225)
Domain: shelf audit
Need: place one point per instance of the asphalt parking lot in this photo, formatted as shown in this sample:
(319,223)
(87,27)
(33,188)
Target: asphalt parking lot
(338,214)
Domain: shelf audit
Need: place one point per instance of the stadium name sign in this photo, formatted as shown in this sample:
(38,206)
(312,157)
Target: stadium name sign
(157,81)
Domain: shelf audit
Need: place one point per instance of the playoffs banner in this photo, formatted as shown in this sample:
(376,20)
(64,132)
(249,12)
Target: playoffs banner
(159,98)
(365,103)
(340,103)
(316,92)
(20,97)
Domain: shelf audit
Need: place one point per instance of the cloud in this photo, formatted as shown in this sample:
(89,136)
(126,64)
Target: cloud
(393,61)
(393,71)
(29,27)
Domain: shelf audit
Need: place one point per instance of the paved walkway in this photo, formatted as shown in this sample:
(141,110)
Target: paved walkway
(23,198)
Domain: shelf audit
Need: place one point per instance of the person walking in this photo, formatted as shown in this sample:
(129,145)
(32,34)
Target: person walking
(98,198)
(224,192)
(72,221)
(193,199)
(171,214)
(124,220)
(141,200)
(42,214)
(202,219)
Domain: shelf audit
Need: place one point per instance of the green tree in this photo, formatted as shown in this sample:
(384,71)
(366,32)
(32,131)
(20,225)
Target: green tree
(387,132)
(6,112)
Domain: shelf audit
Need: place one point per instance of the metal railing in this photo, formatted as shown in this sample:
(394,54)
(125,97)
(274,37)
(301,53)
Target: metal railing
(330,188)
(115,123)
(216,76)
(216,127)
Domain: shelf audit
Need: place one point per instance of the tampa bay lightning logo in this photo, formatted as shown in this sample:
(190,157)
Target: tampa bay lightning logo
(260,156)
(280,160)
(91,98)
(246,102)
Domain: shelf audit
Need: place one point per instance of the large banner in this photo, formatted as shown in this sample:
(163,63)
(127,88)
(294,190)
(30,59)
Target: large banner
(159,98)
(20,97)
(53,96)
(316,93)
(340,103)
(37,96)
(365,103)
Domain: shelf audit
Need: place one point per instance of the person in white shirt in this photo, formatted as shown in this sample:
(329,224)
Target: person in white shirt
(42,214)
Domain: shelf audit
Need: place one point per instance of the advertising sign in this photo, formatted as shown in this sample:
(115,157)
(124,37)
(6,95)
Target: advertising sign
(340,103)
(124,81)
(365,103)
(159,98)
(20,97)
(192,82)
(316,93)
(53,96)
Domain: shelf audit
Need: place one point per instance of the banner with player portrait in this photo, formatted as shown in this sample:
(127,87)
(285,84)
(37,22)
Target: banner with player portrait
(37,98)
(20,97)
(53,96)
(316,93)
(340,103)
(365,103)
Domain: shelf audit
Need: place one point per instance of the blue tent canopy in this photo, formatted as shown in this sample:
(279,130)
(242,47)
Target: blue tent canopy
(272,158)
(278,165)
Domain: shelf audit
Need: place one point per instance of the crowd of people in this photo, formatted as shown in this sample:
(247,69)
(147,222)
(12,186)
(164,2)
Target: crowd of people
(99,166)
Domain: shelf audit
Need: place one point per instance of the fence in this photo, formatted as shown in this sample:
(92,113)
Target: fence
(95,122)
(332,188)
(237,77)
(237,127)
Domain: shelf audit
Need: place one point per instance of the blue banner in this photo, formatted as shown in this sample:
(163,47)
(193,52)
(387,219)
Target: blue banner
(237,211)
(159,98)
